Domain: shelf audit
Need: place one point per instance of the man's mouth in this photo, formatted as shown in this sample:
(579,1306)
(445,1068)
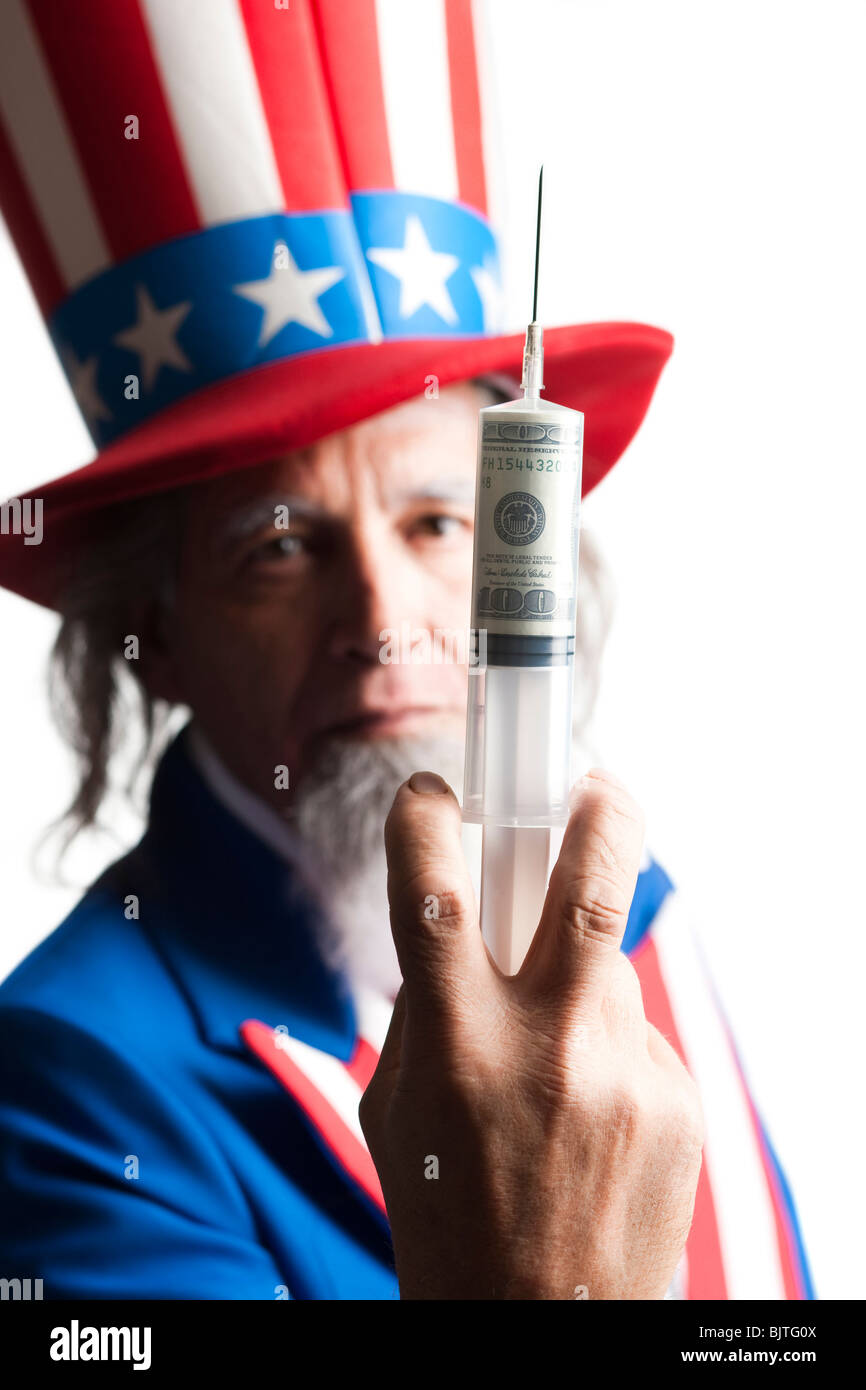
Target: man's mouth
(385,722)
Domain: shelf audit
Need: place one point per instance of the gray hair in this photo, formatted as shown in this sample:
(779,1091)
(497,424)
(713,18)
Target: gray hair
(100,701)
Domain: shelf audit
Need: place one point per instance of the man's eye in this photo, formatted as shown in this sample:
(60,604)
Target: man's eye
(440,524)
(278,548)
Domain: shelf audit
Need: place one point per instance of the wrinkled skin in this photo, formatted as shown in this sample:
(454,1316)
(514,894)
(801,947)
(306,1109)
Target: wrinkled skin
(568,1133)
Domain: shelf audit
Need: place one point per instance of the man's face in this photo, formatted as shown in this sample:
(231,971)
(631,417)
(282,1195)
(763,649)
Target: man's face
(274,638)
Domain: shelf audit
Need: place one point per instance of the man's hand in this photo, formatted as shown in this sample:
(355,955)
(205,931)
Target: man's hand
(534,1136)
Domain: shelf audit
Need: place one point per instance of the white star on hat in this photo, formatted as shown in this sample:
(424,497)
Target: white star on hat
(422,272)
(153,337)
(82,380)
(290,295)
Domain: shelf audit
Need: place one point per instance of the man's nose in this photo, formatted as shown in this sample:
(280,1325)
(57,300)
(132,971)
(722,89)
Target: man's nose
(366,598)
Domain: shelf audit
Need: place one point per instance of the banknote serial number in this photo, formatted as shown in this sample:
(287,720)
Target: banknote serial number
(518,465)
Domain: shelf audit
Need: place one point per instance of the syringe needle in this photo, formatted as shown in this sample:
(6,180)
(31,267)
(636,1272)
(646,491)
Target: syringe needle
(533,351)
(537,247)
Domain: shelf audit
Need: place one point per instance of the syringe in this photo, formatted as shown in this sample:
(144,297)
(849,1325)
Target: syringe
(524,590)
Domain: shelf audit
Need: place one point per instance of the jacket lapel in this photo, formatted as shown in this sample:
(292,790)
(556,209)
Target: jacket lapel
(328,1090)
(227,916)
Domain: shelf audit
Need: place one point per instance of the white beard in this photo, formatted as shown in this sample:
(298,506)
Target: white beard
(338,814)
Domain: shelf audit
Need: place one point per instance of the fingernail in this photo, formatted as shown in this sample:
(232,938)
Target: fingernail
(427,783)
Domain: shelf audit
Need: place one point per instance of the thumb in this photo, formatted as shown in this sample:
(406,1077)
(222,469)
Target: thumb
(434,920)
(377,1094)
(392,1048)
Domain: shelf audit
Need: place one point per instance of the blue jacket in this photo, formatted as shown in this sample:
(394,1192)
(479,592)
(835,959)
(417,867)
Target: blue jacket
(145,1150)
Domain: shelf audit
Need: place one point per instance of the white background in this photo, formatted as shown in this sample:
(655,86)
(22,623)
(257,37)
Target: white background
(704,172)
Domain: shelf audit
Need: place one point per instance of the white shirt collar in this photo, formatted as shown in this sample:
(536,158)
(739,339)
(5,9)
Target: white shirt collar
(373,1008)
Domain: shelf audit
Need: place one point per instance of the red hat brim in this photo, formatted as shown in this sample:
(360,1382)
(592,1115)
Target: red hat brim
(607,370)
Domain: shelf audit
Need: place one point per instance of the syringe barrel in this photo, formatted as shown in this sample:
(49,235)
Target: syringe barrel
(524,592)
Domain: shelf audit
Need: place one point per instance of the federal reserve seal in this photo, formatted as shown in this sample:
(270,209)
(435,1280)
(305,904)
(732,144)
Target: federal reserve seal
(518,518)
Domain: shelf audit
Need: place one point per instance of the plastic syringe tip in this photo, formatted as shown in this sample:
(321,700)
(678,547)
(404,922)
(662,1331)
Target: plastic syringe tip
(533,360)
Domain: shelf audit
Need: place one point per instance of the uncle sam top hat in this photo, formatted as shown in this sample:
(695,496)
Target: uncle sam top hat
(250,223)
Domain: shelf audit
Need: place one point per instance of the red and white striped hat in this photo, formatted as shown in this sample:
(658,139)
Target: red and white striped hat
(250,223)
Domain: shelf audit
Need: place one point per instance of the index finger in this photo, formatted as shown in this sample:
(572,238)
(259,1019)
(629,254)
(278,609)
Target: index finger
(590,893)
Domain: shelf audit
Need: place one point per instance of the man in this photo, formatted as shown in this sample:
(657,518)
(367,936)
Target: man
(286,398)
